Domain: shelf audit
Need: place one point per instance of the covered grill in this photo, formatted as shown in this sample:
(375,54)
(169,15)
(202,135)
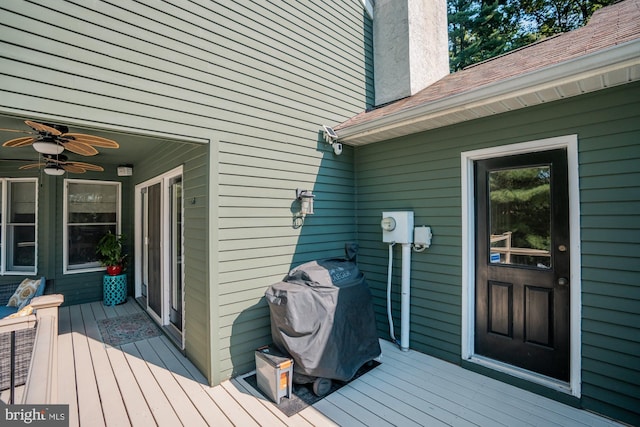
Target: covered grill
(322,315)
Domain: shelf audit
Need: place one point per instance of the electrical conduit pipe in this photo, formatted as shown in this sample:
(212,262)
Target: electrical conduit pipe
(405,302)
(405,295)
(389,271)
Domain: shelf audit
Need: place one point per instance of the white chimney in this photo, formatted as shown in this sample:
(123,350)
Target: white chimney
(410,46)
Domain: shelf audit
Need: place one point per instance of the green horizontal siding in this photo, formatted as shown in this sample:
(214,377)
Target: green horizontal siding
(610,202)
(257,79)
(422,173)
(186,62)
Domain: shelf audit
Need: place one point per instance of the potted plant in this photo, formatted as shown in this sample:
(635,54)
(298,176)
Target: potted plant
(110,253)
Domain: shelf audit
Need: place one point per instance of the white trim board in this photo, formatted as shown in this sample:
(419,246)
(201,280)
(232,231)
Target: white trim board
(162,179)
(570,142)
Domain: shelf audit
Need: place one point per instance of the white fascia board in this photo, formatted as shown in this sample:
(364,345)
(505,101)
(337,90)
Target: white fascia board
(597,64)
(368,6)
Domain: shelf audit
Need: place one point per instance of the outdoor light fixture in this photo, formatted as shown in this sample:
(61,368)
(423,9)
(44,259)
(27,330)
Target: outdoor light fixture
(125,170)
(48,146)
(306,202)
(306,206)
(54,170)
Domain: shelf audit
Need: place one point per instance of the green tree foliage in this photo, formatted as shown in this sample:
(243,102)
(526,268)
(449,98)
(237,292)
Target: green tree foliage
(482,29)
(521,204)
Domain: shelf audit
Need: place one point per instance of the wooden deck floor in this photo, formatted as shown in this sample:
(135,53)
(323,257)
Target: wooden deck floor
(150,383)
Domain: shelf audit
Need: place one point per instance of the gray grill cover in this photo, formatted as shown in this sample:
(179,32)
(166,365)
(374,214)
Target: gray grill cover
(322,315)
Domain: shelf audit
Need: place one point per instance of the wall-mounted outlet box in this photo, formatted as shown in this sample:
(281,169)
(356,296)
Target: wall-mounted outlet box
(422,236)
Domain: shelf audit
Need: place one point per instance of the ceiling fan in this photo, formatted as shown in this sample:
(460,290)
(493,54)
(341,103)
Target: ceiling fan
(54,139)
(58,164)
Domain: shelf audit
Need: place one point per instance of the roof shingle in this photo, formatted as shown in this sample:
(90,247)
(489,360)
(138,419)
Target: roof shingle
(608,27)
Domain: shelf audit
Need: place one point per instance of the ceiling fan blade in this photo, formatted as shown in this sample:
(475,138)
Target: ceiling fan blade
(91,140)
(73,168)
(18,131)
(80,148)
(19,142)
(42,128)
(32,166)
(59,160)
(87,166)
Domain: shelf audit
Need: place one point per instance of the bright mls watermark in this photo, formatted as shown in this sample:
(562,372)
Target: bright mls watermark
(34,415)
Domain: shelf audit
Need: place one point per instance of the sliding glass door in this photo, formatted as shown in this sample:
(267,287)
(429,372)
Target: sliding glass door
(160,281)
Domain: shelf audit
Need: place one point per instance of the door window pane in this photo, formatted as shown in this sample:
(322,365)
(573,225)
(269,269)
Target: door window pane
(520,216)
(175,195)
(92,211)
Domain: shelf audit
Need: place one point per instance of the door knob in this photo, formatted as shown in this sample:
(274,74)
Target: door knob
(563,281)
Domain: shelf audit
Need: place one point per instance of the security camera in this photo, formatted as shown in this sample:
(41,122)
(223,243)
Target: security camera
(337,148)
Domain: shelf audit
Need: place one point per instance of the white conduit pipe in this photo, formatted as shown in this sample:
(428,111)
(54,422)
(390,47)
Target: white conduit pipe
(390,269)
(405,302)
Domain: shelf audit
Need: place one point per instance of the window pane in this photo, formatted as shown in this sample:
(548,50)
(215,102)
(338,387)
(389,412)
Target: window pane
(92,211)
(83,240)
(92,203)
(22,205)
(520,209)
(21,229)
(91,217)
(22,247)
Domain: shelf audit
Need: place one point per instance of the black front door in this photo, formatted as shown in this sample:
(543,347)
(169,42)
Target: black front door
(522,261)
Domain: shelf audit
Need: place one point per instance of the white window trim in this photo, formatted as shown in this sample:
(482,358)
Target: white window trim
(4,184)
(570,142)
(65,230)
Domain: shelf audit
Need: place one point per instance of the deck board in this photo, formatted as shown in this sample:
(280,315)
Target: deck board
(132,395)
(5,395)
(471,403)
(108,389)
(160,406)
(67,391)
(202,402)
(338,414)
(368,410)
(431,404)
(258,412)
(86,384)
(389,397)
(150,382)
(179,400)
(234,411)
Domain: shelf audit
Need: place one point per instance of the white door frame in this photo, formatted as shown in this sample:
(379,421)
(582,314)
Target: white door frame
(570,142)
(163,179)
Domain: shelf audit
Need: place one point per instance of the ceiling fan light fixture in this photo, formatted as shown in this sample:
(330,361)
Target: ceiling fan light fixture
(48,147)
(54,170)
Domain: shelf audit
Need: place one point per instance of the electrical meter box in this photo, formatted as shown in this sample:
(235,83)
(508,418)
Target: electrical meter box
(274,373)
(397,227)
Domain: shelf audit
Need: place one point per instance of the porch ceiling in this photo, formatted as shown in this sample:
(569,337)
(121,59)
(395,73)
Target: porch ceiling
(133,148)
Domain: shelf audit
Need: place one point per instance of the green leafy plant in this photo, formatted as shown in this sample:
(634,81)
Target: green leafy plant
(110,250)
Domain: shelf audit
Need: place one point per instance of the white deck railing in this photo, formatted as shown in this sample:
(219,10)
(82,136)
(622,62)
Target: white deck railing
(42,380)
